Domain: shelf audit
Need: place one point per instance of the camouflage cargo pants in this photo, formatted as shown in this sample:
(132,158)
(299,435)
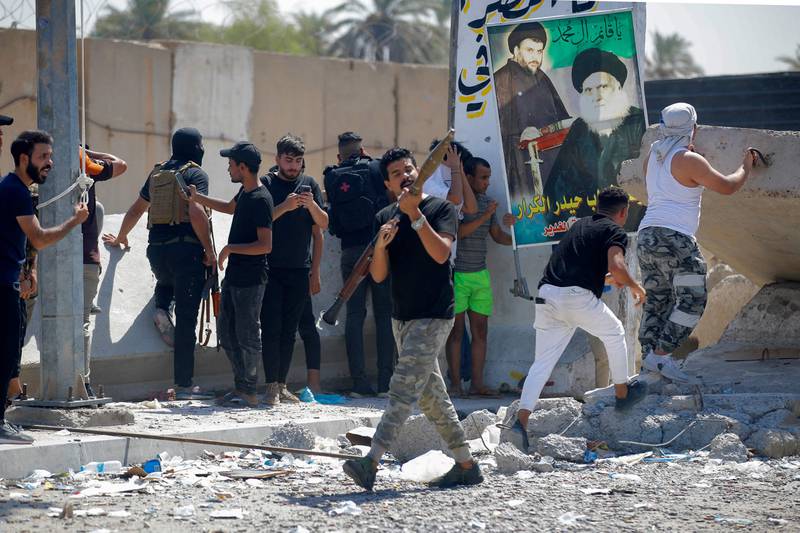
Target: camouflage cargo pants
(417,377)
(674,276)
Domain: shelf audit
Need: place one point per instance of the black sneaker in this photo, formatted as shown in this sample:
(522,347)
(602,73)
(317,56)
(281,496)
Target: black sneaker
(362,471)
(637,390)
(11,435)
(361,390)
(459,476)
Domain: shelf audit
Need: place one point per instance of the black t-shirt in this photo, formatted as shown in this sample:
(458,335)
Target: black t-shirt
(421,287)
(192,176)
(291,233)
(580,259)
(91,249)
(253,211)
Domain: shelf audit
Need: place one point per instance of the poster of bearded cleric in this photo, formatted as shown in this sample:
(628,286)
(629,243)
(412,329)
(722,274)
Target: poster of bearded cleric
(571,110)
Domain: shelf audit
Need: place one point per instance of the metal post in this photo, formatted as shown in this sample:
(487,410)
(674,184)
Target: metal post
(60,265)
(453,70)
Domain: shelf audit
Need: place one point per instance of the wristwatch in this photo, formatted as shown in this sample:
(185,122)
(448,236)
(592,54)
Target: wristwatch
(416,225)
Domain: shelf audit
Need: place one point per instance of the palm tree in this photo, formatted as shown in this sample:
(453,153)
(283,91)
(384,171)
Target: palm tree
(314,30)
(792,63)
(146,20)
(671,58)
(389,30)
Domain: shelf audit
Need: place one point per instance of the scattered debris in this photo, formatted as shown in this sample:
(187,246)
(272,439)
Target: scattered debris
(235,514)
(563,448)
(292,435)
(348,507)
(254,474)
(728,447)
(427,467)
(571,518)
(360,436)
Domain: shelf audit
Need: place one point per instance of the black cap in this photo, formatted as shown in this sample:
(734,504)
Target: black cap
(243,152)
(595,60)
(528,30)
(6,121)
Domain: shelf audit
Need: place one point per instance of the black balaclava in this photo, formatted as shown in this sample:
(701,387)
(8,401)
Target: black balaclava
(187,145)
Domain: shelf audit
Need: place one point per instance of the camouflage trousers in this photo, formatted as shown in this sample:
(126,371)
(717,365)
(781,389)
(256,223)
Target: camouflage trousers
(417,377)
(674,276)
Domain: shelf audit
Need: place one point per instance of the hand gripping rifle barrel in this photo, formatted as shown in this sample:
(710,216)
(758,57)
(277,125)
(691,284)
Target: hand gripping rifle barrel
(361,268)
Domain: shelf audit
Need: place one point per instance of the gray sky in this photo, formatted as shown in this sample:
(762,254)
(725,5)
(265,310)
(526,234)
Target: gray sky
(726,39)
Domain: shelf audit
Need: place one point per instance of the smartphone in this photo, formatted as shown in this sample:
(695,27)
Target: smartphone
(304,189)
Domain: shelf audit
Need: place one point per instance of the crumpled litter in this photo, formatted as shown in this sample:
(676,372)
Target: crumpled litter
(571,518)
(347,507)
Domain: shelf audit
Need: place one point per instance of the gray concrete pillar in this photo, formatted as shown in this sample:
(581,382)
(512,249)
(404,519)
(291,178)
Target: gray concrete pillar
(60,265)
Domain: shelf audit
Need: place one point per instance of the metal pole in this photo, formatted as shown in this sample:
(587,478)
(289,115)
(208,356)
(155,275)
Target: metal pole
(60,265)
(453,71)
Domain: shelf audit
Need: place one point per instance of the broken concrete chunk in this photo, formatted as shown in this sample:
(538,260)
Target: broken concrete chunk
(476,422)
(417,436)
(361,436)
(292,436)
(728,447)
(563,448)
(510,460)
(774,443)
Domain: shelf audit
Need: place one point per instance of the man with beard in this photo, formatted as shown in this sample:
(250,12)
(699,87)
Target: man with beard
(32,152)
(249,242)
(413,246)
(179,249)
(608,132)
(298,208)
(527,102)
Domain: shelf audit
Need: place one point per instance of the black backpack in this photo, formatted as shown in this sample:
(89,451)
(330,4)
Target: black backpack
(355,193)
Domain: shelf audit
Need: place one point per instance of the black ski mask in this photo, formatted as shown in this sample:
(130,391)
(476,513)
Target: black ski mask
(187,145)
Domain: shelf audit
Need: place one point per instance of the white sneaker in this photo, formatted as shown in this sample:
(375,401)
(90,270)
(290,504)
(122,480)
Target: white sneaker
(666,366)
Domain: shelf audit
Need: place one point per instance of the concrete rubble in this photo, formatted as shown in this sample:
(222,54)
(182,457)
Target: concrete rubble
(291,435)
(728,447)
(564,448)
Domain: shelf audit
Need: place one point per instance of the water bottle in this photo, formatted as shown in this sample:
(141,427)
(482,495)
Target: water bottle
(104,467)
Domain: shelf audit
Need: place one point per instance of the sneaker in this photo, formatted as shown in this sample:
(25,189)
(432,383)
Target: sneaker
(361,390)
(11,435)
(286,396)
(666,366)
(273,395)
(191,393)
(459,476)
(238,399)
(637,390)
(362,471)
(165,327)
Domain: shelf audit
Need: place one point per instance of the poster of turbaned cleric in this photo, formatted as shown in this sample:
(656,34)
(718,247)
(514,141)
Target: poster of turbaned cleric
(570,108)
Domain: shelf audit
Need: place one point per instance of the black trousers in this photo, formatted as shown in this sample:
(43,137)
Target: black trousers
(307,328)
(10,344)
(180,273)
(284,299)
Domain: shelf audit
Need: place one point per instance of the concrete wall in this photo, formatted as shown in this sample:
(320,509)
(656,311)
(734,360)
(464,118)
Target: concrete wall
(754,230)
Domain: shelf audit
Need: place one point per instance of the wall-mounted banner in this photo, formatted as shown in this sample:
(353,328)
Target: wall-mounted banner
(550,93)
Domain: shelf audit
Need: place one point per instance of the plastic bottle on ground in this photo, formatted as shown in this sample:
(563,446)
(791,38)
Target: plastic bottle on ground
(104,467)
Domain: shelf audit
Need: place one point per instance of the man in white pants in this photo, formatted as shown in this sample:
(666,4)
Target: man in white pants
(569,298)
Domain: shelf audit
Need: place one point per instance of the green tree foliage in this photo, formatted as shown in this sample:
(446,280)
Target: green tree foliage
(671,58)
(389,30)
(792,63)
(148,19)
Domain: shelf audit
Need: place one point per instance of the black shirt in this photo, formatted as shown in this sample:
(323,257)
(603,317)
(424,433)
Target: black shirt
(90,230)
(421,287)
(580,259)
(291,233)
(253,211)
(192,176)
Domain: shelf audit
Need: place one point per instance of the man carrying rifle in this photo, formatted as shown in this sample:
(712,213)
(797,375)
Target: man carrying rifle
(249,242)
(414,245)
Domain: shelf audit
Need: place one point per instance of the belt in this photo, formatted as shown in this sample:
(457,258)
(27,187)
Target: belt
(175,240)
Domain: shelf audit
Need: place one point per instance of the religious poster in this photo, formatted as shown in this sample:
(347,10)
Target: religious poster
(571,109)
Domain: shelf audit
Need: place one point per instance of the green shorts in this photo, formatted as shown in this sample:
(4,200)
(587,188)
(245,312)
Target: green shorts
(473,292)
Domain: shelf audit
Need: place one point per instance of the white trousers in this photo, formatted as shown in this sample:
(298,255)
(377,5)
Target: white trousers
(566,309)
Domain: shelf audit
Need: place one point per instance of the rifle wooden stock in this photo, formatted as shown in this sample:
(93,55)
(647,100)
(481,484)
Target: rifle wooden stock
(361,269)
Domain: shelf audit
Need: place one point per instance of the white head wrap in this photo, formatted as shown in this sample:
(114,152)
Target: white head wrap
(677,122)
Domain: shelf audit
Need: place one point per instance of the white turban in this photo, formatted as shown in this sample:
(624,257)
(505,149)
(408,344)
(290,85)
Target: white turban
(677,122)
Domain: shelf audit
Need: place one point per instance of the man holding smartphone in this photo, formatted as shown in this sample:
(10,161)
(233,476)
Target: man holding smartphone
(298,210)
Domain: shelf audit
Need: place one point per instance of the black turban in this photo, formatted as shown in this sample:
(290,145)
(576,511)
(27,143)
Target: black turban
(528,30)
(595,60)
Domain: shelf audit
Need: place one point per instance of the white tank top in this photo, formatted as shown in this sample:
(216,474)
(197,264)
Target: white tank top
(670,204)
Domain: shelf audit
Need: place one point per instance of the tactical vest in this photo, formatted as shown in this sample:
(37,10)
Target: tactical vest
(167,205)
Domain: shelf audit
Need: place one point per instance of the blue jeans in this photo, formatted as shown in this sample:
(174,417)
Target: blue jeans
(354,325)
(239,331)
